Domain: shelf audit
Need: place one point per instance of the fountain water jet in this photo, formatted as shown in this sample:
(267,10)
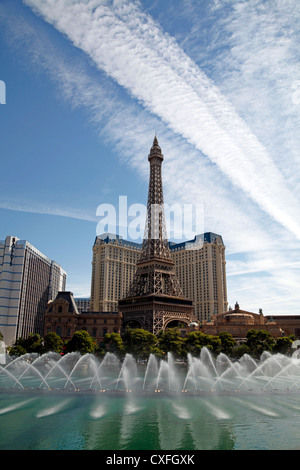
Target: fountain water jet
(203,374)
(61,369)
(11,376)
(151,371)
(128,372)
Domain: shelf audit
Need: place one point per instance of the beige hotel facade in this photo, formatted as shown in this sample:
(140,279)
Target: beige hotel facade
(200,267)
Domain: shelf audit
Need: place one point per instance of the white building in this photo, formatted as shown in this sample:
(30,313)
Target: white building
(28,280)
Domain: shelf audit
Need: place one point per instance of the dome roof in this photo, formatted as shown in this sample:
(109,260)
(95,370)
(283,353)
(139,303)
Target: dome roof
(240,317)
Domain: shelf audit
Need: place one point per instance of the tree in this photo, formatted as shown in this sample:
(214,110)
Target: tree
(139,342)
(213,343)
(81,341)
(171,340)
(240,350)
(16,350)
(114,343)
(283,344)
(196,340)
(227,342)
(259,341)
(52,342)
(156,351)
(31,344)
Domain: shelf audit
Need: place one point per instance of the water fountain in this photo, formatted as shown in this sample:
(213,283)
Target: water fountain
(198,375)
(205,402)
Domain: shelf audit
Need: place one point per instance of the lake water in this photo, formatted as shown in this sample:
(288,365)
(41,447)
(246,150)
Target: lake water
(95,421)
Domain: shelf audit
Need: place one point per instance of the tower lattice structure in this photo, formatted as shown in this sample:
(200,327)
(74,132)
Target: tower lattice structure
(155,270)
(155,297)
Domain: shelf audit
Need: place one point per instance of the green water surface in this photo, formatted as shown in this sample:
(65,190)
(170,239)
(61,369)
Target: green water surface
(58,421)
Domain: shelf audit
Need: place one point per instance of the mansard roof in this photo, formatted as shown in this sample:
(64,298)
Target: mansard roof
(68,297)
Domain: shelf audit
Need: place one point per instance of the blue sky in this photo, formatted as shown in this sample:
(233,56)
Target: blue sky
(89,83)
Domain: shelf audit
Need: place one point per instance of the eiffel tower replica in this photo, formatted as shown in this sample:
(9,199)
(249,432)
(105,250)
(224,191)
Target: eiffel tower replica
(155,298)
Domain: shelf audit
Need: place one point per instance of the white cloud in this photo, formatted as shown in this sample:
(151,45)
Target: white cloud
(257,67)
(171,86)
(38,208)
(133,50)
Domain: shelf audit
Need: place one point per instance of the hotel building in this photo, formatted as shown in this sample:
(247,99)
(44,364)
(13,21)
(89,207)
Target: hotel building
(28,280)
(113,267)
(200,268)
(82,303)
(199,264)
